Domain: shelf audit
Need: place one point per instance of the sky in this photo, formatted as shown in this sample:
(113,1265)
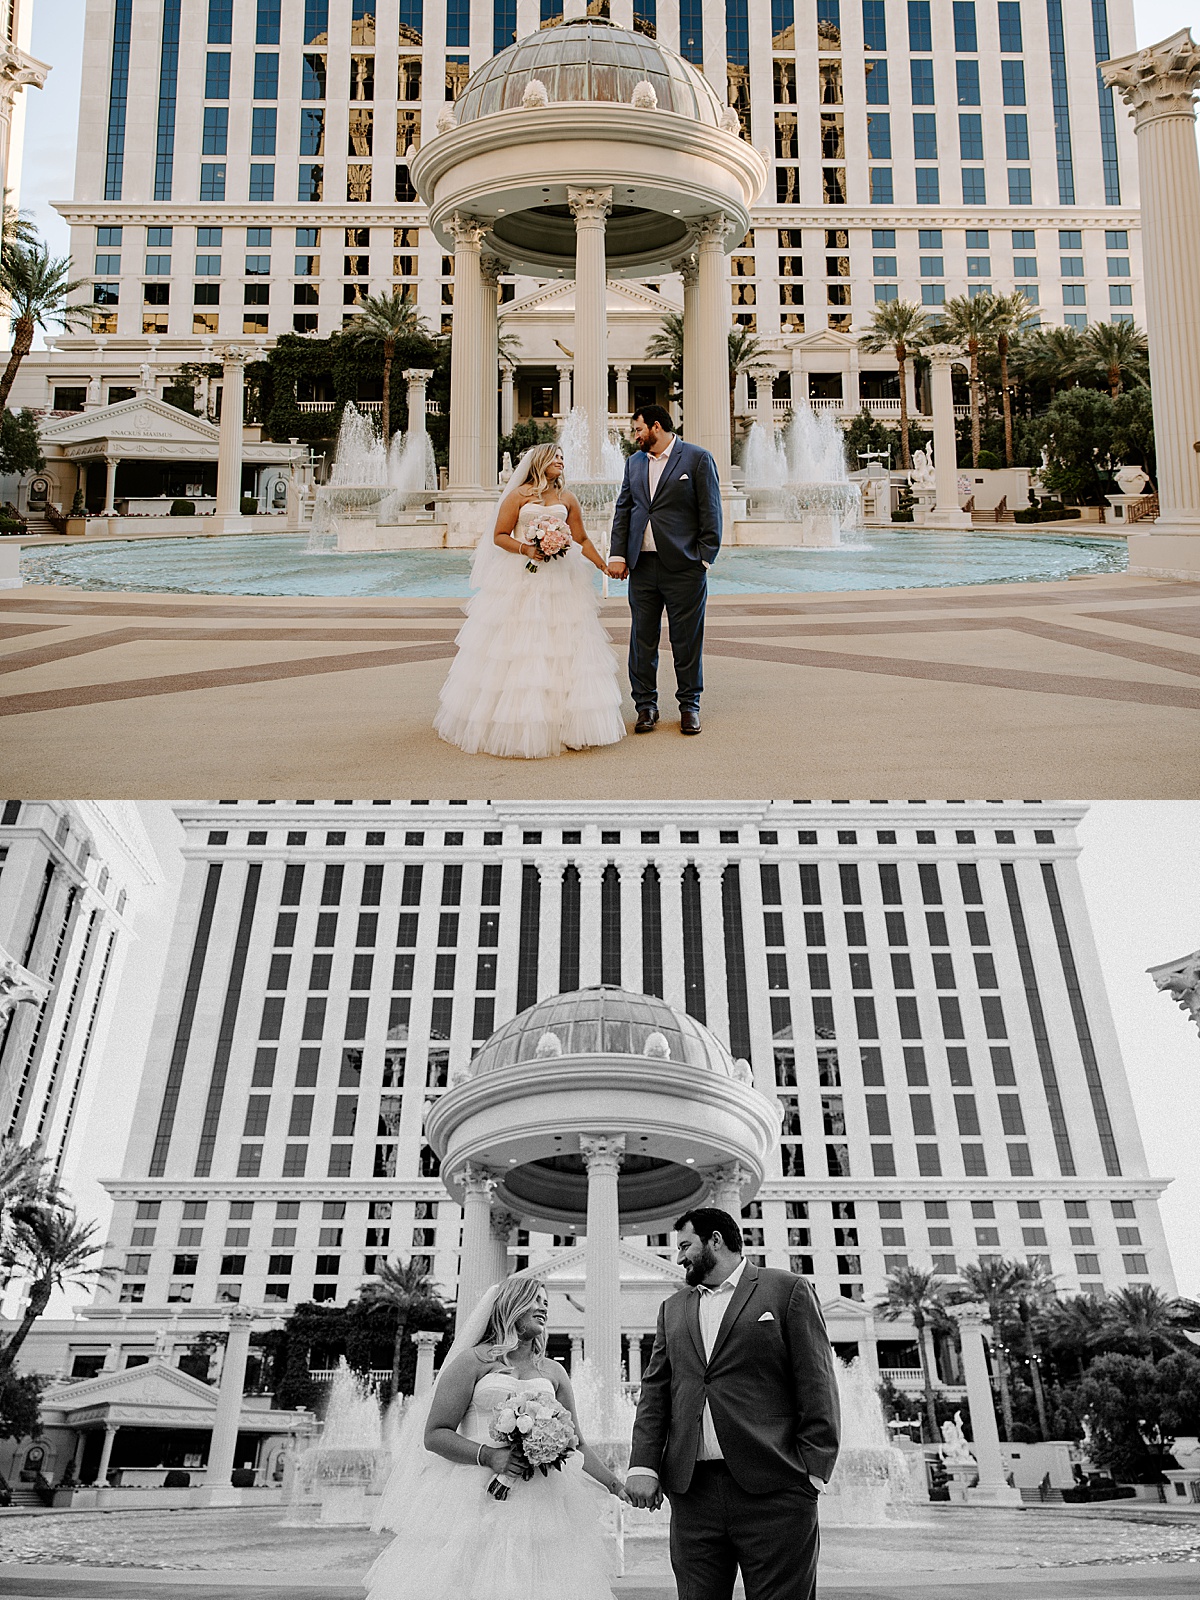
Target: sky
(52,113)
(1140,866)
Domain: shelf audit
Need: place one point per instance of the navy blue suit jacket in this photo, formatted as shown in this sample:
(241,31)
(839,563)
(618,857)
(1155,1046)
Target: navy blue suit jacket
(686,510)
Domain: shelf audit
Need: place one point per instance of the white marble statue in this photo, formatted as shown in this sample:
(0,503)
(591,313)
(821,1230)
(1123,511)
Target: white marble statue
(955,1450)
(1181,980)
(18,986)
(922,474)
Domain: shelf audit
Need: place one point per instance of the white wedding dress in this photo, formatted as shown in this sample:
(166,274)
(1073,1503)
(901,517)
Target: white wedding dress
(454,1542)
(535,671)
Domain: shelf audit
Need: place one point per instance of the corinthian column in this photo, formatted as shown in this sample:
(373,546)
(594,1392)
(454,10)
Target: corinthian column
(1159,86)
(602,1155)
(229,440)
(993,1488)
(476,1269)
(947,513)
(466,353)
(590,207)
(17,70)
(728,1181)
(490,268)
(689,271)
(713,339)
(418,404)
(223,1445)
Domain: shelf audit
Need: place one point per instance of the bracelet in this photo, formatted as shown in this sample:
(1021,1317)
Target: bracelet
(479,1455)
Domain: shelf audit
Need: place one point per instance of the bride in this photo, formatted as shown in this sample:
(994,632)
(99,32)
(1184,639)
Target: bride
(454,1542)
(535,671)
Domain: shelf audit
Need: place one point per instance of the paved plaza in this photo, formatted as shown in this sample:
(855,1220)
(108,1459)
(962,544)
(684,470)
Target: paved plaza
(1050,1553)
(1088,686)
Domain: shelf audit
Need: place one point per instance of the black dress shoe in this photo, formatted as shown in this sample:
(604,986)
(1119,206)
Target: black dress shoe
(689,720)
(647,719)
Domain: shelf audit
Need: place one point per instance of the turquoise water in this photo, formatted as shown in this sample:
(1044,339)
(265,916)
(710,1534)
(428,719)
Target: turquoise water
(278,564)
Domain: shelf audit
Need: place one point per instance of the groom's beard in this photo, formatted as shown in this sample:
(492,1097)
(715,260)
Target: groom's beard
(696,1271)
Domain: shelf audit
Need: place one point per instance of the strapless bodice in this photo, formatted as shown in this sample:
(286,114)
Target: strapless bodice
(534,509)
(489,1392)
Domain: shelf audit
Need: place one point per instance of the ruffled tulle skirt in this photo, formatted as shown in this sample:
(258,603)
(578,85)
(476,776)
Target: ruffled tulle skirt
(545,1542)
(535,671)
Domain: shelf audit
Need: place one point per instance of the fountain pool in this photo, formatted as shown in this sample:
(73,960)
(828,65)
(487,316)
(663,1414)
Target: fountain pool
(283,564)
(350,1461)
(796,485)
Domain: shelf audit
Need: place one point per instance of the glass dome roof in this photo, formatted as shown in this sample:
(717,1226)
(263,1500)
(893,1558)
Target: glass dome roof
(588,60)
(604,1021)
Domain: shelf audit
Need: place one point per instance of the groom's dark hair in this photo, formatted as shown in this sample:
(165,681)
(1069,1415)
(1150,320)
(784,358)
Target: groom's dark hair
(707,1220)
(652,414)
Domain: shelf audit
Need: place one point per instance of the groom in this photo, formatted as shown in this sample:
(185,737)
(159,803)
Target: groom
(738,1420)
(665,535)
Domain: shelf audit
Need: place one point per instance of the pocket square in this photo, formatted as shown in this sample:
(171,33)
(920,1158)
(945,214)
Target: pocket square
(683,477)
(767,1316)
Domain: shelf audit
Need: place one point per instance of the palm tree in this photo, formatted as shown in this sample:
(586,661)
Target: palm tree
(410,1289)
(970,320)
(1151,1322)
(1078,1325)
(388,320)
(1052,356)
(16,227)
(745,348)
(1012,312)
(1035,1294)
(998,1283)
(54,1250)
(917,1295)
(1115,351)
(904,326)
(35,290)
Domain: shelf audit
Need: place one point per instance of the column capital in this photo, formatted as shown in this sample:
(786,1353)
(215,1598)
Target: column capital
(589,205)
(490,268)
(622,371)
(501,1223)
(18,70)
(565,368)
(239,1316)
(1159,81)
(710,871)
(729,1174)
(417,375)
(466,231)
(971,1314)
(711,231)
(478,1182)
(944,355)
(234,355)
(688,269)
(426,1336)
(602,1152)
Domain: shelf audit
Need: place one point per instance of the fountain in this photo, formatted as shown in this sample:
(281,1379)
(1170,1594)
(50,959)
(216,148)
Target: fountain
(376,496)
(796,486)
(350,1461)
(606,1418)
(596,493)
(873,1475)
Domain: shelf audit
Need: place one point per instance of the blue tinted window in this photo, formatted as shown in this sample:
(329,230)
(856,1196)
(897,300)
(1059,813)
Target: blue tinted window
(930,239)
(1024,266)
(737,33)
(266,75)
(1071,266)
(883,239)
(316,21)
(933,294)
(208,266)
(1009,12)
(258,239)
(262,181)
(927,186)
(970,136)
(1070,239)
(783,16)
(412,18)
(312,133)
(1016,136)
(208,238)
(965,38)
(925,136)
(504,24)
(212,182)
(1020,186)
(220,21)
(107,237)
(920,30)
(881,186)
(216,130)
(266,29)
(885,292)
(932,267)
(884,266)
(262,133)
(1120,294)
(1012,76)
(879,136)
(874,25)
(1116,239)
(974,187)
(967,74)
(313,83)
(921,72)
(1074,294)
(691,31)
(458,24)
(877,83)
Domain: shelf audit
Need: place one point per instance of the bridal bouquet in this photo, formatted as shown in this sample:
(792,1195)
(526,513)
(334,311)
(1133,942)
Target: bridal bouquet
(551,536)
(540,1434)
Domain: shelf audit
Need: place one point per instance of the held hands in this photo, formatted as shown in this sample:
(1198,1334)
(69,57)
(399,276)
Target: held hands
(643,1489)
(616,568)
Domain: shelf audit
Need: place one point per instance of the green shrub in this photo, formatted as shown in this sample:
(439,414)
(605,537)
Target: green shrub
(183,508)
(990,461)
(902,516)
(10,525)
(249,506)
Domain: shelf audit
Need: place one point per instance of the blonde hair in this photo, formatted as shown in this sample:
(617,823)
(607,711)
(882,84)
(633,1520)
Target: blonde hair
(535,474)
(500,1337)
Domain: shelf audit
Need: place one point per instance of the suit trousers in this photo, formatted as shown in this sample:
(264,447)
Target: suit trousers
(683,593)
(717,1528)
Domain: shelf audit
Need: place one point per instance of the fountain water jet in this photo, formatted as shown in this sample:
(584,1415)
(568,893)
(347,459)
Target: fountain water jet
(350,1461)
(376,496)
(873,1475)
(796,484)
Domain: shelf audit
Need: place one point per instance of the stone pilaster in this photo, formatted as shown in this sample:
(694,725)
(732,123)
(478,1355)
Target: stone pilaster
(590,207)
(228,509)
(946,513)
(418,402)
(466,354)
(713,337)
(229,1401)
(992,1488)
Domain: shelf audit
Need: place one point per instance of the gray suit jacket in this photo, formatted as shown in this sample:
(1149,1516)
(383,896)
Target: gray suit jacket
(770,1384)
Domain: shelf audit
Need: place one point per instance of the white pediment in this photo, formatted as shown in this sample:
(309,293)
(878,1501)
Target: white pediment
(155,1384)
(140,418)
(841,1310)
(637,1266)
(622,298)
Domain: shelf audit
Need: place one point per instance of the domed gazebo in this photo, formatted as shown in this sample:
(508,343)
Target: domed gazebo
(590,152)
(597,1110)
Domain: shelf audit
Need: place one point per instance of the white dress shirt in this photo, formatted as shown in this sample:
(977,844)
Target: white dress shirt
(714,1303)
(655,465)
